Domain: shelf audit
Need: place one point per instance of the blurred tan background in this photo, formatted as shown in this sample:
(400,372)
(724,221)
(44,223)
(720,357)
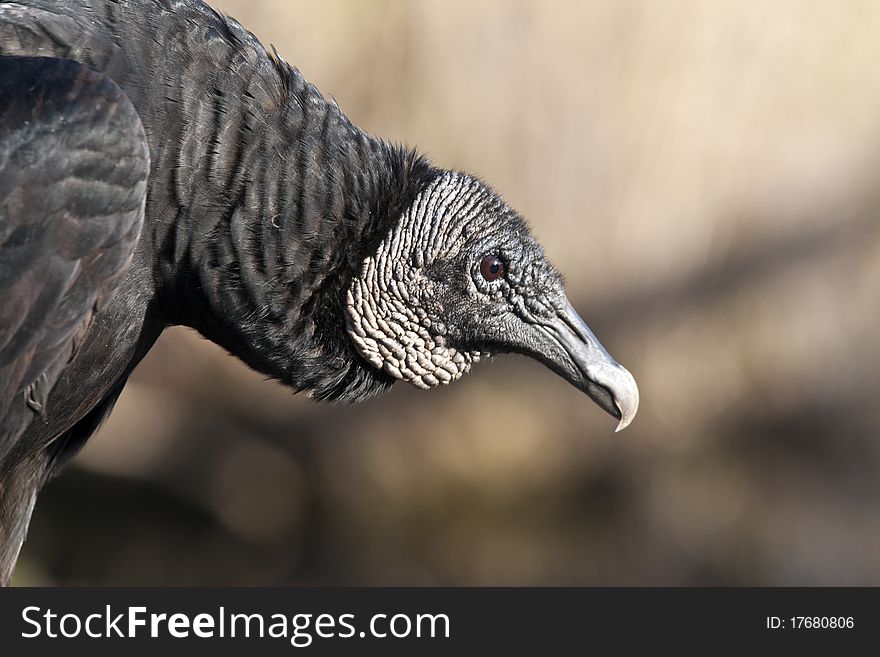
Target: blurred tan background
(707,174)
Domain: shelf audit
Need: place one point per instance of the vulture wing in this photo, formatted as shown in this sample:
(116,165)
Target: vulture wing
(73,177)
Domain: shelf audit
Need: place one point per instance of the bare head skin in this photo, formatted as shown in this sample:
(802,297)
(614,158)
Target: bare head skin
(459,278)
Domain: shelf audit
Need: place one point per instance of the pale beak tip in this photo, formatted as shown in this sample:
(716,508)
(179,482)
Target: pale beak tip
(626,399)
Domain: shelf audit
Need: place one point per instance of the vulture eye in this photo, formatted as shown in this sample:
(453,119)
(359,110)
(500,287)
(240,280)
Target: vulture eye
(492,268)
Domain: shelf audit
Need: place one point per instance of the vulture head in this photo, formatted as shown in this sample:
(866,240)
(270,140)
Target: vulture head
(459,278)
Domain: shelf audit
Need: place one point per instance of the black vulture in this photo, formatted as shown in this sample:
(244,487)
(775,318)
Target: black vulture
(159,167)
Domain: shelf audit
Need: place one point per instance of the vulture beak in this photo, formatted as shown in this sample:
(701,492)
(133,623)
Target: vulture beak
(567,346)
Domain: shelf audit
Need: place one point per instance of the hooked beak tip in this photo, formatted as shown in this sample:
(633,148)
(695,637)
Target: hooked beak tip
(624,392)
(621,386)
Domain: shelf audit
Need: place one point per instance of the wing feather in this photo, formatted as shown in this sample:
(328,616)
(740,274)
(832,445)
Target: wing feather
(74,162)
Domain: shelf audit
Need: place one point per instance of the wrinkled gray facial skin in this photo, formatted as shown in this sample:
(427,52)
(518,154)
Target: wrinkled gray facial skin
(422,310)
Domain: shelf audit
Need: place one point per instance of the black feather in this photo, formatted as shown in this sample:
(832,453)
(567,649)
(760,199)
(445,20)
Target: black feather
(262,201)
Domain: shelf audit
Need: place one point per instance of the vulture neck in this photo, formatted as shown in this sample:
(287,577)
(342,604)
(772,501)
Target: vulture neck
(276,210)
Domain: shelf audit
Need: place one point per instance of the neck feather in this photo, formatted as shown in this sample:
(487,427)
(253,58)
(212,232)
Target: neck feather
(277,212)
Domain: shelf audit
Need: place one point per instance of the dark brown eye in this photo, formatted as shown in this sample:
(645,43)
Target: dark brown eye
(492,268)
